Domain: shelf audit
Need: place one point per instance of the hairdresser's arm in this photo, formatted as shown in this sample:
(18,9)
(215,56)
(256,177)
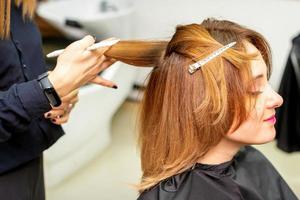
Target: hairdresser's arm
(19,105)
(23,102)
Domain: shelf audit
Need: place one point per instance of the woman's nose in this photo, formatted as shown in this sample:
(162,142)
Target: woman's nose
(274,100)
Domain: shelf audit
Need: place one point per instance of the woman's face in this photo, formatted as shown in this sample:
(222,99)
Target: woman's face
(259,126)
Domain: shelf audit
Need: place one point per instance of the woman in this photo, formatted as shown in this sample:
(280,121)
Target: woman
(209,117)
(34,104)
(207,99)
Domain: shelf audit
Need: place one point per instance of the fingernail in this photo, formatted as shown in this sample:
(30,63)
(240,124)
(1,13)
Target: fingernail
(115,87)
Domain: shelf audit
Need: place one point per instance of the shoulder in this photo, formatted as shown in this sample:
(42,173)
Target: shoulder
(250,154)
(251,165)
(166,189)
(250,158)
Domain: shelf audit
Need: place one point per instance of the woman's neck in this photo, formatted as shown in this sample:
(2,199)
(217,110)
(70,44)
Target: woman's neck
(224,151)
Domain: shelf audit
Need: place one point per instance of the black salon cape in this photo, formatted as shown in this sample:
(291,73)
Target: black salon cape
(288,115)
(248,176)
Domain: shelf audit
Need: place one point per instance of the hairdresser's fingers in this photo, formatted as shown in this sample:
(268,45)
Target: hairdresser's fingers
(98,53)
(107,63)
(83,43)
(61,120)
(74,101)
(101,59)
(71,106)
(102,50)
(100,81)
(55,113)
(64,107)
(102,64)
(70,96)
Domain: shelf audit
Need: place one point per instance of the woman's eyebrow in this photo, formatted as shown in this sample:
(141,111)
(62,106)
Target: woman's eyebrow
(258,77)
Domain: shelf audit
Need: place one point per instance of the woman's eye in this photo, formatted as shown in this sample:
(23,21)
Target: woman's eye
(256,93)
(257,87)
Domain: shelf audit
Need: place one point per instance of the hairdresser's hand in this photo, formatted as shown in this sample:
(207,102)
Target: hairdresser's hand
(60,115)
(101,81)
(78,66)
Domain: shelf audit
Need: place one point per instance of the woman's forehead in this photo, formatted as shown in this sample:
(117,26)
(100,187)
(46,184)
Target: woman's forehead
(258,65)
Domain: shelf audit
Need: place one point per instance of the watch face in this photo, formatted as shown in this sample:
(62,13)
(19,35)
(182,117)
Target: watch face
(49,90)
(52,97)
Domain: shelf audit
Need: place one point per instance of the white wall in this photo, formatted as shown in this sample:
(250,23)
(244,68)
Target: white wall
(275,19)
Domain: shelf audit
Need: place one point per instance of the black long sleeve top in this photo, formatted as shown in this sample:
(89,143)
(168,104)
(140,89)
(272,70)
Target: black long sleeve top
(24,132)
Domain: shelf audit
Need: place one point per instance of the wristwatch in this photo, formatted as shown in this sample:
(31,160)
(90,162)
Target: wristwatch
(49,90)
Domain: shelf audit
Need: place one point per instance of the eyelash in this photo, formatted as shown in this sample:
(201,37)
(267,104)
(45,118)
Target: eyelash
(256,93)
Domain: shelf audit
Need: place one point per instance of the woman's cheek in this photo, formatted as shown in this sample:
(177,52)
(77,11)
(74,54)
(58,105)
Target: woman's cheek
(260,107)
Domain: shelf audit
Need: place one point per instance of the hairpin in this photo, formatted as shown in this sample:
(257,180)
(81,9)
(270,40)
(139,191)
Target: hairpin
(194,67)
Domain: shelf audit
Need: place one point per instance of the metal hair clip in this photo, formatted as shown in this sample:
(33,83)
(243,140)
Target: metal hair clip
(194,67)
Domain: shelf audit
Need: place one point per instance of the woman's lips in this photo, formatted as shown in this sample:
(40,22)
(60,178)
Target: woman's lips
(271,120)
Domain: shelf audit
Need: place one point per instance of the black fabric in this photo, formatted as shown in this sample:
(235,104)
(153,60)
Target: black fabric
(24,131)
(249,176)
(288,115)
(26,182)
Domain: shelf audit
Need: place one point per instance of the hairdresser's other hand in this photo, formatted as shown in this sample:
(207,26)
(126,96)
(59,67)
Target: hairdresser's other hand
(60,115)
(101,81)
(78,66)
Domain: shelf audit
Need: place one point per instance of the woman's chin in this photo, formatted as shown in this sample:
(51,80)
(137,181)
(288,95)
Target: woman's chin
(266,136)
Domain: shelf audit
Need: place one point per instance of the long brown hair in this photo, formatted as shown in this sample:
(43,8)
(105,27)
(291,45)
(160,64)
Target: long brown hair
(184,115)
(28,7)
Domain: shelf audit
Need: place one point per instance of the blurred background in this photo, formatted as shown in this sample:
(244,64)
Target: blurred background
(98,157)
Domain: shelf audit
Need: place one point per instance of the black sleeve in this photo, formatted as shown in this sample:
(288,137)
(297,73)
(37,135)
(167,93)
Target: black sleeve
(19,105)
